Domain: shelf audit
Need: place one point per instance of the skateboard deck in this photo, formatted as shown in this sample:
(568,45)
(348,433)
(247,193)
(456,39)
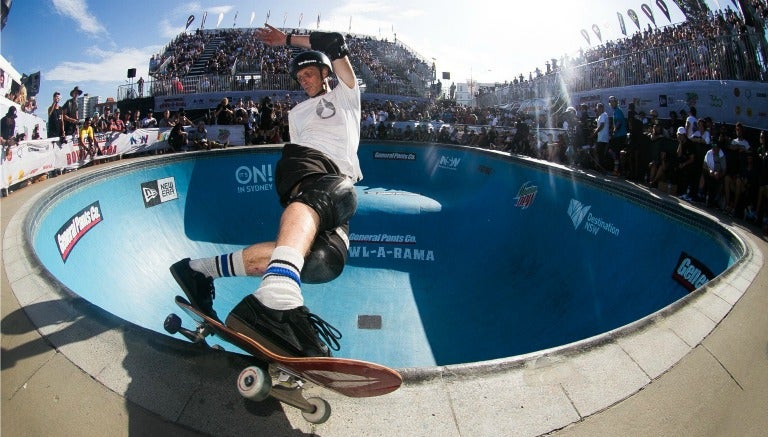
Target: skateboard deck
(349,377)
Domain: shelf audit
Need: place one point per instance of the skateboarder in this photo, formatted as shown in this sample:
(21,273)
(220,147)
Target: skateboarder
(314,180)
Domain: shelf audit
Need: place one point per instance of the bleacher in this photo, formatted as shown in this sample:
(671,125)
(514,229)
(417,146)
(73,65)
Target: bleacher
(213,55)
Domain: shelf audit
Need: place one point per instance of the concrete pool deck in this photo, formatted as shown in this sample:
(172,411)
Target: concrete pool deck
(697,368)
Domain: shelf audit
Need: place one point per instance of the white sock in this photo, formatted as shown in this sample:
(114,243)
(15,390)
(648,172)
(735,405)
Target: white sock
(230,264)
(280,287)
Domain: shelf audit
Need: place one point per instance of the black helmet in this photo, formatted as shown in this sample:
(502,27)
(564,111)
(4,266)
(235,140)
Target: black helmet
(310,58)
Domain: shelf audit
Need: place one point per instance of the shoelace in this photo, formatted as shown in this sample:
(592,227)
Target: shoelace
(326,331)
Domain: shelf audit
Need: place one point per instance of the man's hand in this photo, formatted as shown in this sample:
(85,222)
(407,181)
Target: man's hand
(270,35)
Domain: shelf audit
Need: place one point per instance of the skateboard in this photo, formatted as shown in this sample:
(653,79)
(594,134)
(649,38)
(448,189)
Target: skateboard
(349,377)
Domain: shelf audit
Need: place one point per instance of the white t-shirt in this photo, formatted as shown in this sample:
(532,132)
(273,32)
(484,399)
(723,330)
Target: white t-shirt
(330,123)
(743,143)
(604,135)
(705,136)
(690,123)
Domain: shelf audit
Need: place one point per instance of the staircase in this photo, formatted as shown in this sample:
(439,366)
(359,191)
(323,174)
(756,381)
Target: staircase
(199,67)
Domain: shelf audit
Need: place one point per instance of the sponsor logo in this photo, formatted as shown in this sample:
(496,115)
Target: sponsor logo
(577,211)
(382,238)
(449,162)
(380,246)
(580,214)
(159,191)
(526,195)
(325,109)
(395,156)
(253,179)
(690,272)
(76,227)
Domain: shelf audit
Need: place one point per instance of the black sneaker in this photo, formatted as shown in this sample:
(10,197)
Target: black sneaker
(295,332)
(198,287)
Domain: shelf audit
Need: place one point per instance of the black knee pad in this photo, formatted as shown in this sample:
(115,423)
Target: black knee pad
(326,258)
(333,197)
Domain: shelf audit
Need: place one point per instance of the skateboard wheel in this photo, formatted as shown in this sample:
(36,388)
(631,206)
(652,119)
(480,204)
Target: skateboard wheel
(322,411)
(172,323)
(254,383)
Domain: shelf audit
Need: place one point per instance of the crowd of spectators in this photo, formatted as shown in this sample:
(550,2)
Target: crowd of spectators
(386,67)
(719,46)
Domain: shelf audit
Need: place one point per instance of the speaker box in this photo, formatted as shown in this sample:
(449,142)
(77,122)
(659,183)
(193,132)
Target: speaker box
(131,73)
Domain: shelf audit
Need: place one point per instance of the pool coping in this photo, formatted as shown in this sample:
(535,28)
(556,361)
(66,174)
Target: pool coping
(549,389)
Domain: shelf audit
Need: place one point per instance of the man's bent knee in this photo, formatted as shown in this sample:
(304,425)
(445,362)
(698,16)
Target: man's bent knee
(326,259)
(333,197)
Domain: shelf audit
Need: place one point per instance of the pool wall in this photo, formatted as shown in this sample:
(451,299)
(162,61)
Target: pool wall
(457,255)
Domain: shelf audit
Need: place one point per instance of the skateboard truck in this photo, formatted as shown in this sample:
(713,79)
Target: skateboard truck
(172,325)
(255,384)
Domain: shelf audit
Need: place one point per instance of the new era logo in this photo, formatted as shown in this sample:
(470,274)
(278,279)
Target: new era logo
(149,194)
(577,211)
(159,191)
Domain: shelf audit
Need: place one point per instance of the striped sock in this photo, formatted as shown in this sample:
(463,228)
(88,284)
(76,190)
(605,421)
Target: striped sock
(280,287)
(230,264)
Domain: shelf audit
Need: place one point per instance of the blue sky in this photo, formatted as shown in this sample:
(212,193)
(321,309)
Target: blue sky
(92,44)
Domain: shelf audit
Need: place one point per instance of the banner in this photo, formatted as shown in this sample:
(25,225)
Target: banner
(597,32)
(648,13)
(690,272)
(621,24)
(633,15)
(189,21)
(31,159)
(585,35)
(730,102)
(202,22)
(664,9)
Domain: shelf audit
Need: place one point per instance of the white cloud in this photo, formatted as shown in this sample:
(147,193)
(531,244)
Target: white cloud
(78,11)
(105,65)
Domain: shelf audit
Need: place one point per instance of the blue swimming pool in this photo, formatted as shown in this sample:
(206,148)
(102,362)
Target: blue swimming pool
(457,255)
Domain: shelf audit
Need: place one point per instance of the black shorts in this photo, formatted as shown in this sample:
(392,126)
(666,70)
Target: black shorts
(297,164)
(300,164)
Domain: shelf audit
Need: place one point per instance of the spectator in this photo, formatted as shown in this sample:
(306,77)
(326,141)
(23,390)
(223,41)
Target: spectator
(618,140)
(691,123)
(8,128)
(166,121)
(662,149)
(223,113)
(116,123)
(149,121)
(55,118)
(748,184)
(199,137)
(735,156)
(602,135)
(686,174)
(87,140)
(177,139)
(712,175)
(70,112)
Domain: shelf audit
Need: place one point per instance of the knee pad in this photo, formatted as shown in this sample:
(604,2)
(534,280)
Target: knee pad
(333,197)
(326,259)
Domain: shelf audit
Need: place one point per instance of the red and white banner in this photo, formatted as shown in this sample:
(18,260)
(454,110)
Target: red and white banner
(30,159)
